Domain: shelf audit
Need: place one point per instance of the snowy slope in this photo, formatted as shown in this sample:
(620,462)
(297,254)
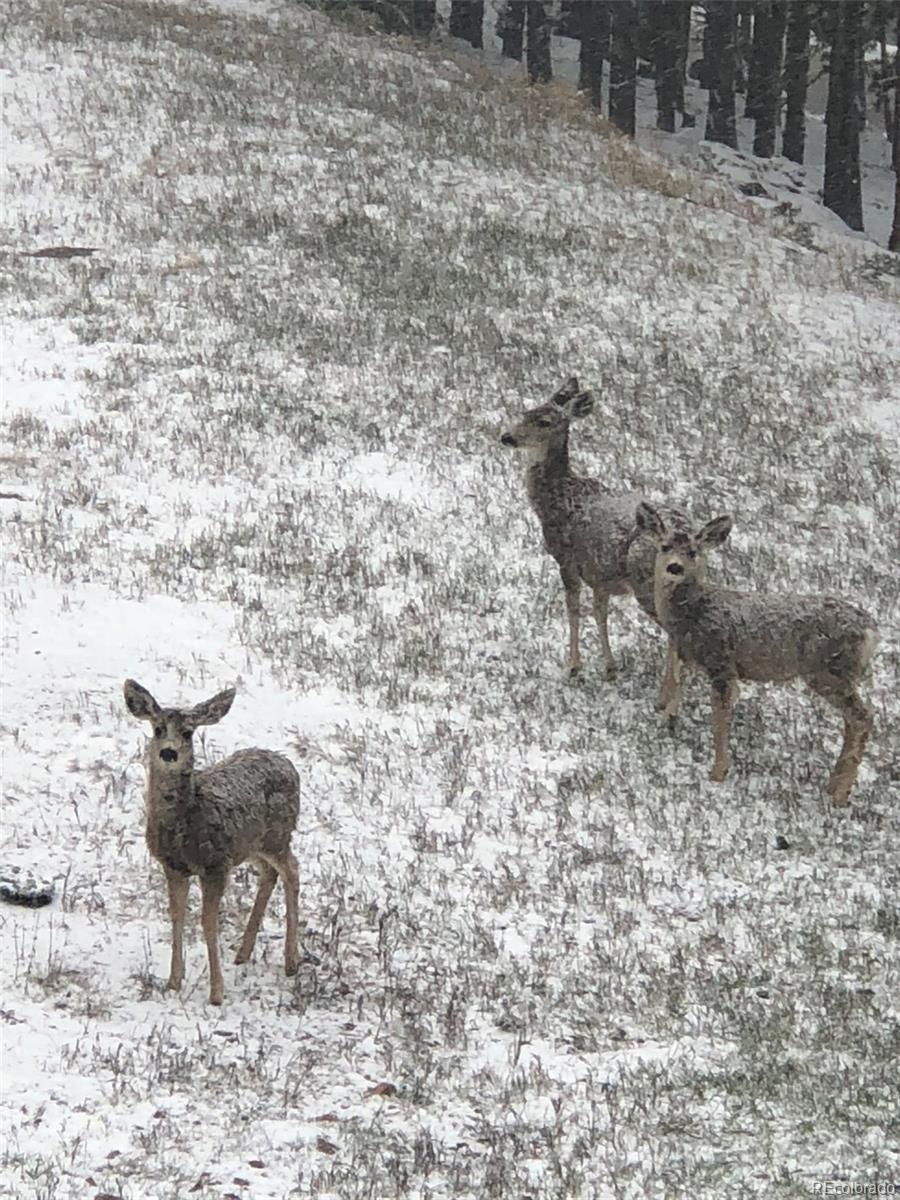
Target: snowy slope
(257,437)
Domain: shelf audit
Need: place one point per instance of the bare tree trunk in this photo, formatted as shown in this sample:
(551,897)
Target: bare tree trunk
(886,83)
(750,96)
(768,31)
(537,43)
(718,56)
(467,21)
(684,42)
(743,47)
(421,17)
(594,49)
(843,189)
(623,65)
(511,28)
(894,239)
(665,26)
(796,77)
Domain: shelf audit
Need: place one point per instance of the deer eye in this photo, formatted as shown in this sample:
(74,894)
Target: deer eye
(159,731)
(667,548)
(692,553)
(544,422)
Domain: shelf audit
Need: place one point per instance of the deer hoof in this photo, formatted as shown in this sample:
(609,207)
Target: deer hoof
(717,774)
(839,793)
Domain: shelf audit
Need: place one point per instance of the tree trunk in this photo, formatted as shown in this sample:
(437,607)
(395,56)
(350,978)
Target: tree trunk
(421,17)
(752,71)
(718,56)
(684,43)
(894,239)
(467,20)
(743,47)
(511,28)
(665,30)
(537,44)
(623,65)
(594,49)
(842,190)
(768,34)
(886,83)
(796,76)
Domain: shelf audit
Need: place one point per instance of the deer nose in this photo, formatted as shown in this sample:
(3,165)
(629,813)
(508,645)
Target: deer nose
(675,569)
(507,440)
(168,755)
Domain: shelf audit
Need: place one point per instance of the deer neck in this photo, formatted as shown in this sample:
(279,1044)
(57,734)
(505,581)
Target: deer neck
(673,599)
(548,470)
(169,793)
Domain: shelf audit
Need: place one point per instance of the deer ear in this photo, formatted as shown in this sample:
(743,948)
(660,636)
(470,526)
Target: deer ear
(567,392)
(649,520)
(715,532)
(139,701)
(582,404)
(210,711)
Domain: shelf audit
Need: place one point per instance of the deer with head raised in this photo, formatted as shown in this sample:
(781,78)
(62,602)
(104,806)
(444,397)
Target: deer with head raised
(206,822)
(589,530)
(732,635)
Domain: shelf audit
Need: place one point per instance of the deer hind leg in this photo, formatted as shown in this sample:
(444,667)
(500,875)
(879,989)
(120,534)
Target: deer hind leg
(290,877)
(723,692)
(601,615)
(212,887)
(268,877)
(572,585)
(857,727)
(178,884)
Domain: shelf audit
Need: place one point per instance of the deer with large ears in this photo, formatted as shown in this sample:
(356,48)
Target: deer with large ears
(206,822)
(732,635)
(588,530)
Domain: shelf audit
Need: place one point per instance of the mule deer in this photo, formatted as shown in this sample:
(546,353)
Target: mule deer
(745,635)
(589,531)
(206,822)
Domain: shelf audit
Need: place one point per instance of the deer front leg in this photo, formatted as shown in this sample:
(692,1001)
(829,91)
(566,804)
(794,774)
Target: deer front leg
(601,615)
(178,885)
(212,887)
(722,699)
(857,726)
(572,585)
(670,685)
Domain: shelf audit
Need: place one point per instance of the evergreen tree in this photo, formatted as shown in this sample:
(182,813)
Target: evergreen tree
(594,49)
(719,40)
(537,43)
(664,27)
(623,65)
(843,188)
(796,76)
(768,39)
(467,21)
(511,28)
(422,16)
(894,239)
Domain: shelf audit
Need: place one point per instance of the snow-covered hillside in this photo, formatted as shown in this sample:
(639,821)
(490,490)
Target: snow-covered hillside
(253,439)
